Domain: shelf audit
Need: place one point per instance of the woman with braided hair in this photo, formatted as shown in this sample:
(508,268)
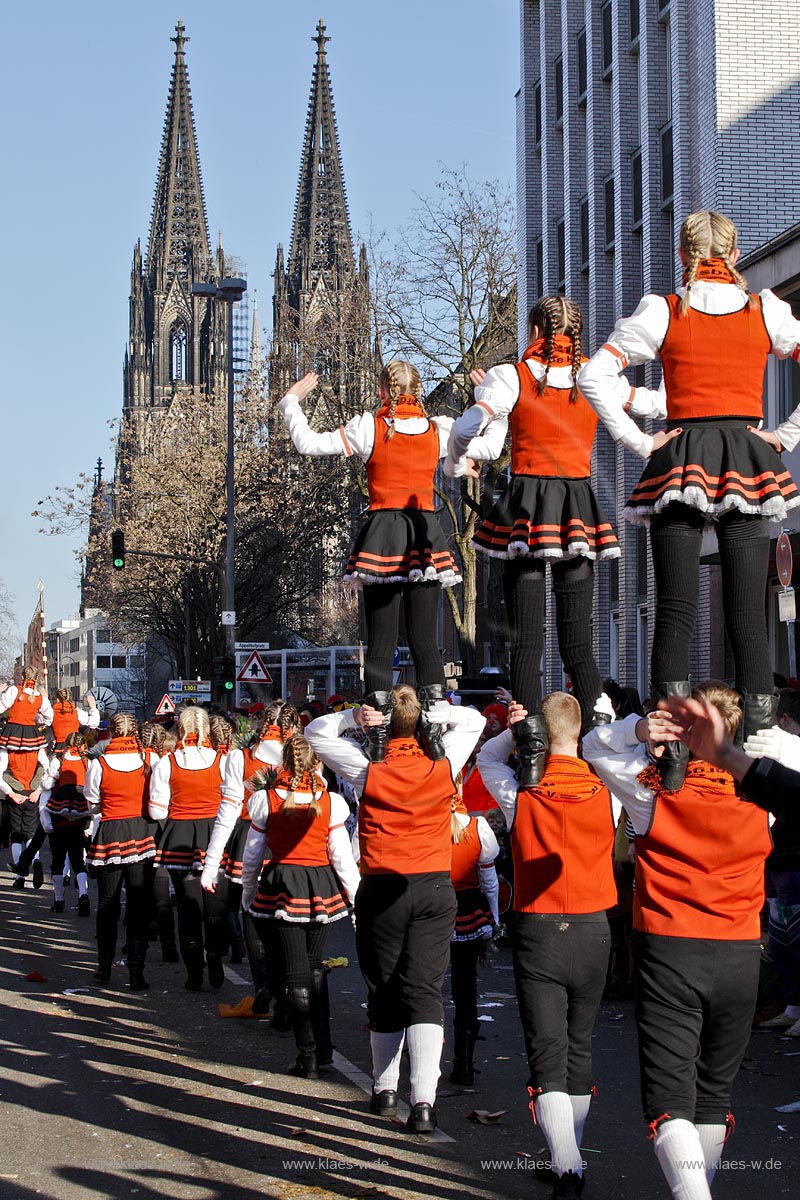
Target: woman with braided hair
(548,512)
(400,556)
(185,795)
(309,880)
(713,465)
(122,850)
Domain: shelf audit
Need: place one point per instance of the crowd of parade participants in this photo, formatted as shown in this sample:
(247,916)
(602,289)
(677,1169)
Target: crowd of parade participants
(434,826)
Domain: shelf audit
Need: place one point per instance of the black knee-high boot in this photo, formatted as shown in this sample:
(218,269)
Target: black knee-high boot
(299,1002)
(673,762)
(378,735)
(137,952)
(759,711)
(321,1016)
(431,731)
(532,743)
(463,1072)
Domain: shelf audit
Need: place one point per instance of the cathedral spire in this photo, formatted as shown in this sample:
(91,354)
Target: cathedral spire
(321,240)
(255,367)
(178,243)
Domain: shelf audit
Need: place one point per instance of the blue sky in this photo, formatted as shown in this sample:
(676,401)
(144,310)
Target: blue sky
(83,92)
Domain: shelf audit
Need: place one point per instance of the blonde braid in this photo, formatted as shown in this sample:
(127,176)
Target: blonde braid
(554,315)
(399,378)
(124,725)
(696,238)
(300,759)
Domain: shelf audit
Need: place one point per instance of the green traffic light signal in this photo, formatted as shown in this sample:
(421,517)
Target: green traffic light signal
(118,550)
(228,685)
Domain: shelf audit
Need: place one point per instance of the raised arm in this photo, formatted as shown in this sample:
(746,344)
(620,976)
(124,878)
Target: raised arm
(479,433)
(357,437)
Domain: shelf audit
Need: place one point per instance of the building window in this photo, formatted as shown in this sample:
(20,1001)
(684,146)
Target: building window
(633,9)
(663,7)
(788,389)
(583,66)
(74,645)
(583,210)
(608,199)
(103,636)
(641,562)
(637,209)
(74,669)
(613,582)
(642,656)
(559,85)
(607,39)
(539,268)
(118,662)
(561,255)
(537,113)
(103,662)
(177,351)
(613,645)
(667,182)
(136,661)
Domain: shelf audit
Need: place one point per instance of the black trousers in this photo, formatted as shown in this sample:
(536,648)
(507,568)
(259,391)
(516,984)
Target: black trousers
(23,821)
(560,966)
(403,928)
(675,537)
(68,842)
(295,949)
(138,880)
(695,999)
(525,597)
(420,605)
(202,918)
(464,983)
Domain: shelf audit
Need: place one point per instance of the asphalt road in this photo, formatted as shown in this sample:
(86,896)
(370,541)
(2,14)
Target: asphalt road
(106,1093)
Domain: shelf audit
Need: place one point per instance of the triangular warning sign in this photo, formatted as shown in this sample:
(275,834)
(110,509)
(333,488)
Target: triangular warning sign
(167,705)
(254,670)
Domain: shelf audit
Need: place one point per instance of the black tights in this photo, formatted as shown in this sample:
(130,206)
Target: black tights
(382,614)
(464,983)
(675,537)
(573,589)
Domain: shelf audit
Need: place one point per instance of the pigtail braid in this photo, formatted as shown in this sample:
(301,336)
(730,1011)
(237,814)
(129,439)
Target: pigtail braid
(301,761)
(398,379)
(554,315)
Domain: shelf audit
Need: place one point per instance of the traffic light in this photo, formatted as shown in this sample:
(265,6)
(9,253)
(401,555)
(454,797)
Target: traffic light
(118,549)
(228,672)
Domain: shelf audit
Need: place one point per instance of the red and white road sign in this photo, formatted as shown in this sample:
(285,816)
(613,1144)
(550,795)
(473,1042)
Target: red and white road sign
(254,670)
(167,705)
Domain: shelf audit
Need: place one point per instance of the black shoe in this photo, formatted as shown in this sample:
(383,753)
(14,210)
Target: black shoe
(38,874)
(305,1066)
(169,952)
(57,906)
(383,1104)
(262,1002)
(194,980)
(216,971)
(19,883)
(103,973)
(84,907)
(421,1119)
(569,1186)
(137,981)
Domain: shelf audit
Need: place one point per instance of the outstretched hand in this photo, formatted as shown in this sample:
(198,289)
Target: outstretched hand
(367,717)
(516,713)
(477,376)
(305,386)
(704,731)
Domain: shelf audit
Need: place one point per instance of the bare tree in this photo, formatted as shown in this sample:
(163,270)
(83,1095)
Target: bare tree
(445,298)
(10,642)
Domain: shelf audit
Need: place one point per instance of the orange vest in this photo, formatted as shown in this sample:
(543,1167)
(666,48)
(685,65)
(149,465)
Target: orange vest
(194,795)
(22,766)
(24,709)
(562,842)
(475,794)
(123,794)
(73,770)
(400,470)
(714,365)
(700,866)
(464,870)
(251,767)
(297,836)
(404,813)
(65,722)
(549,434)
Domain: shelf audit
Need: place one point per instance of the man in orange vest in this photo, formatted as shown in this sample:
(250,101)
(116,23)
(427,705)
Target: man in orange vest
(405,907)
(700,854)
(562,841)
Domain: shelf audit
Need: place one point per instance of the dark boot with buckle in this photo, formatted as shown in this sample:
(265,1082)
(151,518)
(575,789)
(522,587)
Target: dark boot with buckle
(192,955)
(463,1072)
(532,744)
(673,762)
(321,1016)
(136,957)
(306,1066)
(431,732)
(759,711)
(378,735)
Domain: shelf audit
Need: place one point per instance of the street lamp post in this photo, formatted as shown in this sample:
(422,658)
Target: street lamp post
(230,290)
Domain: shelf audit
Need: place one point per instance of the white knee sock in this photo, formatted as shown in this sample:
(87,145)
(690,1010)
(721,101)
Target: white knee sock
(680,1156)
(82,880)
(555,1118)
(58,887)
(425,1044)
(580,1111)
(386,1051)
(712,1139)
